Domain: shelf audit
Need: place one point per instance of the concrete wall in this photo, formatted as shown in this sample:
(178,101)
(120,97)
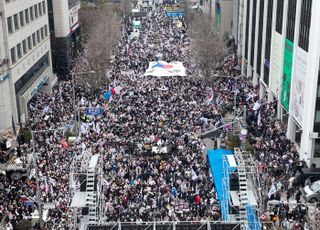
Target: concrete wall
(226,16)
(304,77)
(65,20)
(5,98)
(9,101)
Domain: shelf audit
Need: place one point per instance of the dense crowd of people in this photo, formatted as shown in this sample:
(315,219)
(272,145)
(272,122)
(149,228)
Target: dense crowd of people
(154,165)
(162,113)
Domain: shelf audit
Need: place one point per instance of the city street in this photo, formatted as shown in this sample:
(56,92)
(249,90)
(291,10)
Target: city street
(145,128)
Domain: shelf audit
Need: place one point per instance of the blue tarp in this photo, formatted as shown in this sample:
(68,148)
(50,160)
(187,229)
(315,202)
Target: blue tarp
(221,171)
(253,220)
(215,158)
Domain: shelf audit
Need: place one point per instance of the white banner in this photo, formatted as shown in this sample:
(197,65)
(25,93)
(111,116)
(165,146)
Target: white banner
(298,85)
(275,64)
(165,69)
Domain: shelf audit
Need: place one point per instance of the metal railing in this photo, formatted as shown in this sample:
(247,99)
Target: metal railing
(169,225)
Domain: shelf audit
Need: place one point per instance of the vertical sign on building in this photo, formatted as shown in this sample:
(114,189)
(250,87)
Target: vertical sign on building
(218,15)
(276,56)
(74,7)
(298,85)
(286,76)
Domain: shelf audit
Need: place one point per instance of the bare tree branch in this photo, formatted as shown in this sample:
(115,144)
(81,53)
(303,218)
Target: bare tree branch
(207,46)
(314,220)
(103,29)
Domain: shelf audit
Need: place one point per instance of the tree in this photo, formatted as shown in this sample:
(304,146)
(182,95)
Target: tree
(314,220)
(207,46)
(125,8)
(233,142)
(189,13)
(24,225)
(103,29)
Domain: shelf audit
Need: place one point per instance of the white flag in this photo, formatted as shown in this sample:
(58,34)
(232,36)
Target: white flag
(272,190)
(259,119)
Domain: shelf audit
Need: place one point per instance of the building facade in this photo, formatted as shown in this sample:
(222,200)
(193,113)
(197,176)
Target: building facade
(224,14)
(65,33)
(26,57)
(5,102)
(280,52)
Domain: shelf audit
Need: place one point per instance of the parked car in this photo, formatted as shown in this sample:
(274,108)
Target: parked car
(313,174)
(311,193)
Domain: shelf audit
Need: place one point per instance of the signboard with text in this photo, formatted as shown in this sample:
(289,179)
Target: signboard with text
(74,17)
(286,76)
(298,85)
(276,59)
(94,111)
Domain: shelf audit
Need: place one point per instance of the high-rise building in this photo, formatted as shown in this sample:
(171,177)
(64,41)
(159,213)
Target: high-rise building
(224,14)
(281,52)
(65,33)
(25,57)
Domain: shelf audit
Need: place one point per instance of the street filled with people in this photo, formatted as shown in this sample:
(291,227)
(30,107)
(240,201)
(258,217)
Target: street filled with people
(148,136)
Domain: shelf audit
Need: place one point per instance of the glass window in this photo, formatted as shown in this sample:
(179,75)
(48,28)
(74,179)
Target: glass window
(279,15)
(13,55)
(16,21)
(305,21)
(260,37)
(24,46)
(317,118)
(266,60)
(40,8)
(38,36)
(36,11)
(31,13)
(34,41)
(298,135)
(37,69)
(291,19)
(26,13)
(253,31)
(247,30)
(42,33)
(318,91)
(46,30)
(21,16)
(19,51)
(10,27)
(44,7)
(317,148)
(29,43)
